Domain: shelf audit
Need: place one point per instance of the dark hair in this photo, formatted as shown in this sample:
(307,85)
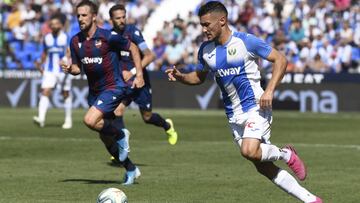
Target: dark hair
(92,5)
(56,16)
(59,16)
(115,8)
(212,6)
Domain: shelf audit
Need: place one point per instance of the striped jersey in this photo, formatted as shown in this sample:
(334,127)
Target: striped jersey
(55,49)
(235,70)
(126,61)
(98,57)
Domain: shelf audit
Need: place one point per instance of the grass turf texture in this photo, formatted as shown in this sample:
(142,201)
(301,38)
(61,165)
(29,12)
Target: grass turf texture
(55,165)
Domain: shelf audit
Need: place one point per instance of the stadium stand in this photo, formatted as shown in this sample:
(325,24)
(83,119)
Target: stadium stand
(315,35)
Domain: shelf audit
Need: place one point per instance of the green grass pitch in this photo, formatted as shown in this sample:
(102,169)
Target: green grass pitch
(55,165)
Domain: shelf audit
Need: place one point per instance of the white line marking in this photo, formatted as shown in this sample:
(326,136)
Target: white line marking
(94,139)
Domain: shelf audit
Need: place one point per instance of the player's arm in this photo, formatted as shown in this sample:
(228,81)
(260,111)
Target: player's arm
(135,53)
(74,67)
(149,57)
(192,78)
(38,63)
(278,70)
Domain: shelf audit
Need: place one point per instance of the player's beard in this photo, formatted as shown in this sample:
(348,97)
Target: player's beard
(85,27)
(119,28)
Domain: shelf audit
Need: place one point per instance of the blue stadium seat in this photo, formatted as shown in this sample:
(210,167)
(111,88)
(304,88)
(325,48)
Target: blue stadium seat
(29,65)
(355,54)
(15,46)
(11,65)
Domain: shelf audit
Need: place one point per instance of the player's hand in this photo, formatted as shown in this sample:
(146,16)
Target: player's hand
(65,66)
(266,100)
(138,82)
(127,75)
(173,73)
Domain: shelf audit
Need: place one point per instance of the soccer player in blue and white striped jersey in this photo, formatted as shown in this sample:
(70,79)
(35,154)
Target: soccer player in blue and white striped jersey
(231,56)
(55,50)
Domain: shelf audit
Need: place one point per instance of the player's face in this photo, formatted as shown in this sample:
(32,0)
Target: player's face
(55,25)
(119,19)
(85,17)
(211,26)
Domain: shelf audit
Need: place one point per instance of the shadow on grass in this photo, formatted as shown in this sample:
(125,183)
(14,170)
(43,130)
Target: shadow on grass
(89,181)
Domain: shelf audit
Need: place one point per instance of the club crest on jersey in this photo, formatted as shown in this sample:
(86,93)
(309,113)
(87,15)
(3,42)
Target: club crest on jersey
(98,43)
(232,51)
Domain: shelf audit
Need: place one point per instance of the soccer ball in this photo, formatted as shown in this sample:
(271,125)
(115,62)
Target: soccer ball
(112,195)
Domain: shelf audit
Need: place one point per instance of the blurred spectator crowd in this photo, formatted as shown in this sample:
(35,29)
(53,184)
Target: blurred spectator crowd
(25,22)
(315,35)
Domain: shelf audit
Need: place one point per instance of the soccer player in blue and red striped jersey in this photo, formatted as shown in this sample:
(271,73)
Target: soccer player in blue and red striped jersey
(142,96)
(96,51)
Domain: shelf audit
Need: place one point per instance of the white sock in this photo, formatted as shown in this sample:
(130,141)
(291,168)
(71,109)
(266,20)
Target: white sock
(43,107)
(272,153)
(288,183)
(68,108)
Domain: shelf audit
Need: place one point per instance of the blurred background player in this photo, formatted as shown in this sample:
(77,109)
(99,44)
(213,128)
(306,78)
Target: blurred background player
(55,49)
(231,56)
(142,96)
(95,50)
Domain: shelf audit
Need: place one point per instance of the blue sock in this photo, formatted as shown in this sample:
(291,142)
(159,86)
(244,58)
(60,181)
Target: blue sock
(111,128)
(157,120)
(127,163)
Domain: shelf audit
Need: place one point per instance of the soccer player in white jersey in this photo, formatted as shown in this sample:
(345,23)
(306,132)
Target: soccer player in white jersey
(231,57)
(55,50)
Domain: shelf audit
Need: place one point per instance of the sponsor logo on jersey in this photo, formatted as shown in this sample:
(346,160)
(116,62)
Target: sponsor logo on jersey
(124,53)
(88,60)
(98,43)
(229,71)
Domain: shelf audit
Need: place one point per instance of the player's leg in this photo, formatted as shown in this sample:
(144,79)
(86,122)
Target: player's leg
(257,146)
(253,137)
(133,171)
(47,84)
(66,88)
(44,103)
(143,98)
(285,181)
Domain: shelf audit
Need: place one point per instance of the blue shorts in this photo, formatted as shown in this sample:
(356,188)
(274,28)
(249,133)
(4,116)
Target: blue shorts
(142,97)
(108,100)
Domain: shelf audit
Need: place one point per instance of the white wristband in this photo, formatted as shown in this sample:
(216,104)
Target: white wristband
(133,71)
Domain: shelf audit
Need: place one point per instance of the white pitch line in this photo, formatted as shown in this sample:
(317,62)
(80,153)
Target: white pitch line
(94,139)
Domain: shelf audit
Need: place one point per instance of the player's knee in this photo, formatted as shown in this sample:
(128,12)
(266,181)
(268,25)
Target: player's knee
(89,122)
(250,153)
(146,117)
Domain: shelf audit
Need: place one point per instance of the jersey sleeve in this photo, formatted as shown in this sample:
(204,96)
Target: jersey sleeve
(121,42)
(74,55)
(201,65)
(138,39)
(257,46)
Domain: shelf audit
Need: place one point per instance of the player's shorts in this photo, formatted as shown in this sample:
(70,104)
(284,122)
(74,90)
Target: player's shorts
(142,97)
(60,80)
(107,101)
(256,123)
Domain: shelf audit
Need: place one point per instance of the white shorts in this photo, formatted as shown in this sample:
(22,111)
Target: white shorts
(256,123)
(61,80)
